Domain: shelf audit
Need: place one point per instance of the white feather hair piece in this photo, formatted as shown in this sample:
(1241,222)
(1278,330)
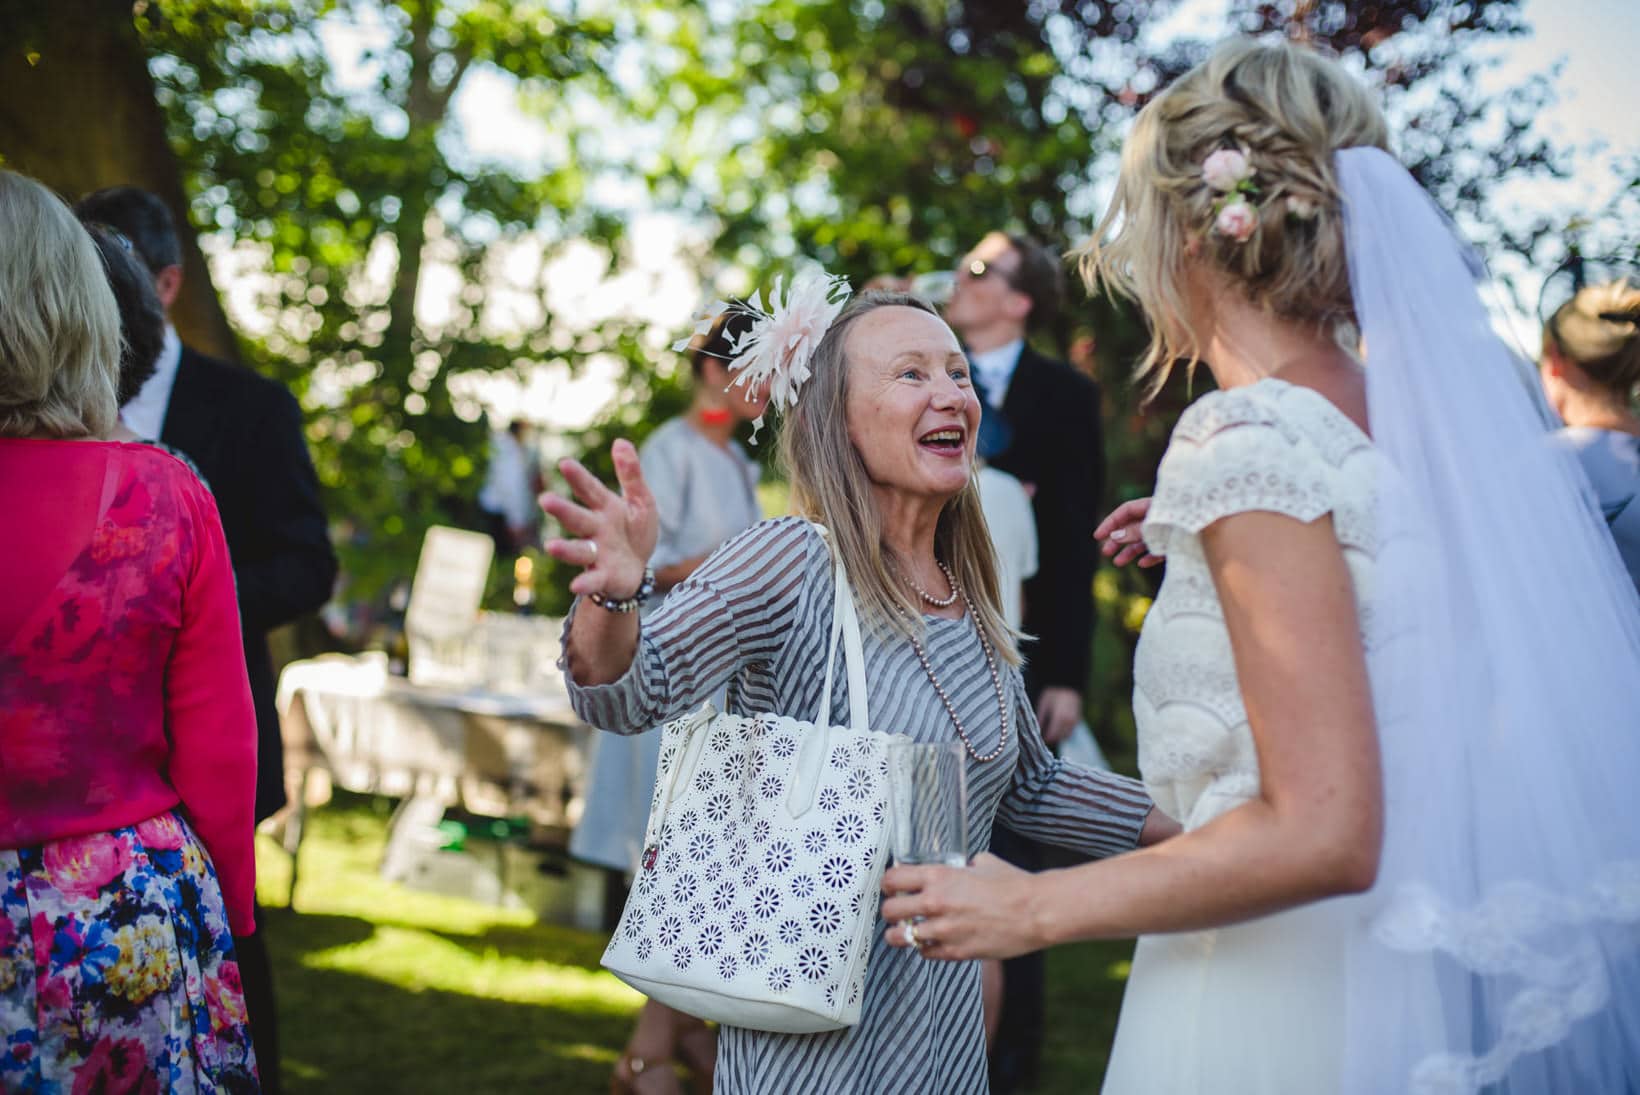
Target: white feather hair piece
(782,338)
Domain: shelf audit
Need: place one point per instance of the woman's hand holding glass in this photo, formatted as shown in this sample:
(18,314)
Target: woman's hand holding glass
(983,910)
(615,532)
(935,902)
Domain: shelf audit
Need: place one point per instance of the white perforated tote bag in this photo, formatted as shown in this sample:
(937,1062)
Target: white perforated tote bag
(755,901)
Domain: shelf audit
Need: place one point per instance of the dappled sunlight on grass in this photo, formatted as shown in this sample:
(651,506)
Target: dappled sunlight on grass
(382,988)
(419,960)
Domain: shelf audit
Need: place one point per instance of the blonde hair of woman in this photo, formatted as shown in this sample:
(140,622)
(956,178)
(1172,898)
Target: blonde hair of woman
(60,328)
(1591,357)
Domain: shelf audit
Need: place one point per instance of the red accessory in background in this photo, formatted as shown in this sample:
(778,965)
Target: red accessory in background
(776,348)
(715,416)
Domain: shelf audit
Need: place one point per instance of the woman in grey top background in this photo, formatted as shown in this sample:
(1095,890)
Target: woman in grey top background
(880,450)
(1591,371)
(705,491)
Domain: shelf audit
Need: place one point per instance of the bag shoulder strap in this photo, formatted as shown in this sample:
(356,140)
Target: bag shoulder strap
(845,622)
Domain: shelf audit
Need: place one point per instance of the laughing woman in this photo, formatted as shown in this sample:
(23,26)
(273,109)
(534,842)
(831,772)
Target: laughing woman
(879,450)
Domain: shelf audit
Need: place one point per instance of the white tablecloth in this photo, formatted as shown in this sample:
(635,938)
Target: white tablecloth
(504,755)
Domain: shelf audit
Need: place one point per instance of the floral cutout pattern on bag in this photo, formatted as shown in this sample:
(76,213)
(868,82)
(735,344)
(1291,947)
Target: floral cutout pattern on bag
(755,902)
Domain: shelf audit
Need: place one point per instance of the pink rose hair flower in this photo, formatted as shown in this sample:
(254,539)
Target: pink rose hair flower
(1236,220)
(1302,208)
(1226,169)
(1229,172)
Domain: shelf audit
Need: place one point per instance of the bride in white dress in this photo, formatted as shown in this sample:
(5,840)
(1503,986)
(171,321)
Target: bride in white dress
(1391,680)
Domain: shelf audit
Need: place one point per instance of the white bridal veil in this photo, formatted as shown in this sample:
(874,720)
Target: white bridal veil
(1498,951)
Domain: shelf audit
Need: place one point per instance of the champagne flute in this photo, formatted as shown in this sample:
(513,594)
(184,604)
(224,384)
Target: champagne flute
(928,808)
(928,803)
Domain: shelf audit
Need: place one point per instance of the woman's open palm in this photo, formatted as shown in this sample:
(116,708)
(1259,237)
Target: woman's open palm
(615,532)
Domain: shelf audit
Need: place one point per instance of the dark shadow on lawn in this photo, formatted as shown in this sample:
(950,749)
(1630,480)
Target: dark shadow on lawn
(559,945)
(299,933)
(291,933)
(1084,997)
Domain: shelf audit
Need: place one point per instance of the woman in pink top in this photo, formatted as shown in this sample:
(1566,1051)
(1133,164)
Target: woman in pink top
(127,739)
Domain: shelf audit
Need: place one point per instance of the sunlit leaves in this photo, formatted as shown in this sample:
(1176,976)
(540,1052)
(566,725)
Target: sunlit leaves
(335,190)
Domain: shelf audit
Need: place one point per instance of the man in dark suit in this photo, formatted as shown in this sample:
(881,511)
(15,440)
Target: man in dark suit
(1041,425)
(244,432)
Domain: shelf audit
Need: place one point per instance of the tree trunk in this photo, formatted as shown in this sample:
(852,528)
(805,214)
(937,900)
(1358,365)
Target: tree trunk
(77,112)
(425,109)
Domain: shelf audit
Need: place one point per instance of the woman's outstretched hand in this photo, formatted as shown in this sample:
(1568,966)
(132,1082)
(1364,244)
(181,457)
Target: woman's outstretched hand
(615,532)
(1119,537)
(979,911)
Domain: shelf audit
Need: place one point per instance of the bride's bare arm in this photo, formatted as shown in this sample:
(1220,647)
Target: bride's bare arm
(1315,829)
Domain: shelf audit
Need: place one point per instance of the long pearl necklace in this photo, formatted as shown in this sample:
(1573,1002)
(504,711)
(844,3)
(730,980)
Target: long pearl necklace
(990,663)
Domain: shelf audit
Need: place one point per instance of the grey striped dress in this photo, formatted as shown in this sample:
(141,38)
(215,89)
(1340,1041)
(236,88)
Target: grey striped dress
(756,615)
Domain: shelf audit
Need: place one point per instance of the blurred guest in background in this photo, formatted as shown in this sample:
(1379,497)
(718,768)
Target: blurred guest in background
(126,728)
(1591,370)
(511,482)
(705,490)
(1008,514)
(244,432)
(142,317)
(1041,425)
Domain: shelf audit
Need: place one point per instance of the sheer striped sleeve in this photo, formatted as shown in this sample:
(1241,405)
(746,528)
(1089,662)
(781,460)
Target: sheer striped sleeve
(737,610)
(1083,809)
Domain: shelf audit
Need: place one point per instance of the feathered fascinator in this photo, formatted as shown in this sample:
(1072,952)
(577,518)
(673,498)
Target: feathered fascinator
(781,339)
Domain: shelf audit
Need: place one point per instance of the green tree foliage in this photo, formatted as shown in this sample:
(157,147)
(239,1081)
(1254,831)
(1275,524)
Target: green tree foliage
(887,136)
(340,199)
(872,136)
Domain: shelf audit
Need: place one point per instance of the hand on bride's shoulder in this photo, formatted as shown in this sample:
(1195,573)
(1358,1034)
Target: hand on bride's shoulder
(1120,537)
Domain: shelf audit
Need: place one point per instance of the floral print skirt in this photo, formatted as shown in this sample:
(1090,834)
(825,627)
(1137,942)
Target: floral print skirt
(117,971)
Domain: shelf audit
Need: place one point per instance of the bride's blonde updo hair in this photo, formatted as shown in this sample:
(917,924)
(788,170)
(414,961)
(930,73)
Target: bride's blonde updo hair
(1598,330)
(1287,109)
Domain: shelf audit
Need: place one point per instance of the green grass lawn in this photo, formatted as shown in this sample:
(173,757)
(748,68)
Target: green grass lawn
(382,988)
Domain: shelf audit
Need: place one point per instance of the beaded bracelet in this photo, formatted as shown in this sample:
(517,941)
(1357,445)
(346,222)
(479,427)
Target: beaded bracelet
(630,604)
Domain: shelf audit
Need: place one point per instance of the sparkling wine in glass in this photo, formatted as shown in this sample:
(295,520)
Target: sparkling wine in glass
(928,803)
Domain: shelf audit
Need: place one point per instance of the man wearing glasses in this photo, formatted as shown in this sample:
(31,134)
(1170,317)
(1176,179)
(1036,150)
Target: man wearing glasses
(1041,425)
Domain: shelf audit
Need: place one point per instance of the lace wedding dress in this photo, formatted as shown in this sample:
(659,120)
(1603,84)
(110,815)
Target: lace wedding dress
(1256,1007)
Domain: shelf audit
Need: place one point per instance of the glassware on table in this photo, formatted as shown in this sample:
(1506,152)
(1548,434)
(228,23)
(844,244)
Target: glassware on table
(936,287)
(928,803)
